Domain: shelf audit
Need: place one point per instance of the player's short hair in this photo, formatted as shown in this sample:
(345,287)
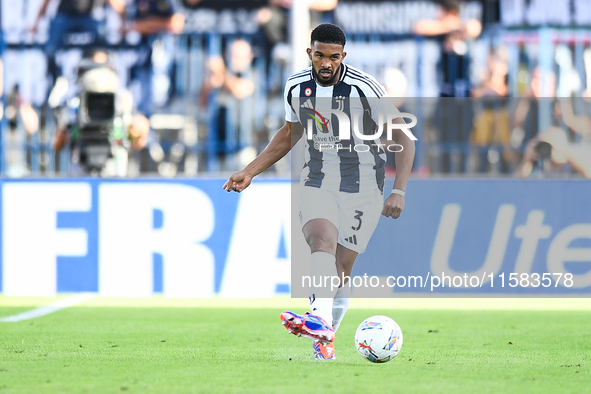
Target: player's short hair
(329,34)
(451,6)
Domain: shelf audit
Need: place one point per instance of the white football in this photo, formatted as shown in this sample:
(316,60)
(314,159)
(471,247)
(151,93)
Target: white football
(378,339)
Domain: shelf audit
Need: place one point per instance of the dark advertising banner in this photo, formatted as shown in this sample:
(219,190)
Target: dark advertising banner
(524,13)
(393,17)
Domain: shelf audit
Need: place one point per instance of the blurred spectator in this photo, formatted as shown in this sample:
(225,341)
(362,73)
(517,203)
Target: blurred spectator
(452,116)
(553,154)
(149,18)
(527,114)
(554,150)
(274,17)
(491,132)
(396,85)
(239,78)
(319,11)
(494,79)
(72,16)
(542,84)
(225,92)
(138,132)
(453,33)
(525,123)
(274,20)
(15,107)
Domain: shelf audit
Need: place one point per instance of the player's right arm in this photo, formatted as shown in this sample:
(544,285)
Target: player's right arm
(279,146)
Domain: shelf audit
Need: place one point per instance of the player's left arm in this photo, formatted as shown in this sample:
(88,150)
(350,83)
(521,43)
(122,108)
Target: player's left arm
(394,204)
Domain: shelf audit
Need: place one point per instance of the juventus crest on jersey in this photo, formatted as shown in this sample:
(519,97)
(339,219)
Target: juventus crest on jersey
(332,163)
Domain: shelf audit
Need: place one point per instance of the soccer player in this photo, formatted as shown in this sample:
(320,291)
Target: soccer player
(341,195)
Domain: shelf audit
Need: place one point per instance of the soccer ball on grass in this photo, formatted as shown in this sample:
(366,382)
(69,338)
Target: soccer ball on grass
(378,339)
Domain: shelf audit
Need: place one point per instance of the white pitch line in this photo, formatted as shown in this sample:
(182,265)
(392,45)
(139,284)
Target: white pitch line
(53,307)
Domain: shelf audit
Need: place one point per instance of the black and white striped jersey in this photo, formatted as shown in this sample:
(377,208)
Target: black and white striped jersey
(347,165)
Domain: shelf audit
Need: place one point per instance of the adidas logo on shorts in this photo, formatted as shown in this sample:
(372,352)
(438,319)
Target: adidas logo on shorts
(352,240)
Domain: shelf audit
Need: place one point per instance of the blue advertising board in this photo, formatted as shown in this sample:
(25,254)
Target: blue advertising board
(505,233)
(190,238)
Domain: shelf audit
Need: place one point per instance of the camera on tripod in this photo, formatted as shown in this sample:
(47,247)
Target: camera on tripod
(96,116)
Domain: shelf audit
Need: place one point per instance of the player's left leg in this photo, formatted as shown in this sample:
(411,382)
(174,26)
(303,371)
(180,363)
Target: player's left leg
(359,216)
(345,259)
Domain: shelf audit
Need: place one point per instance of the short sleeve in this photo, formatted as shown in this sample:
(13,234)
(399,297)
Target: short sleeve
(382,107)
(380,103)
(290,116)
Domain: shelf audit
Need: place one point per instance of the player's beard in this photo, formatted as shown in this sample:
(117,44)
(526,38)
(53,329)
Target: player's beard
(326,82)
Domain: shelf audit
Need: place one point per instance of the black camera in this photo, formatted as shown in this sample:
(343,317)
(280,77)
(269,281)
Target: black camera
(96,115)
(543,150)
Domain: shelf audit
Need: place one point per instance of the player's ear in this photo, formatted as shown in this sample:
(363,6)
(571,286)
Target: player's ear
(343,55)
(309,51)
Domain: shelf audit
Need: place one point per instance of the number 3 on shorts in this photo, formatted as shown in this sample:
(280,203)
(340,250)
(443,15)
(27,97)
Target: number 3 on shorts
(358,217)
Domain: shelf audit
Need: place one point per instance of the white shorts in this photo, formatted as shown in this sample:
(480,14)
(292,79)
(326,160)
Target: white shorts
(355,215)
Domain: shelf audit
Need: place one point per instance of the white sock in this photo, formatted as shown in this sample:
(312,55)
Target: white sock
(321,296)
(340,305)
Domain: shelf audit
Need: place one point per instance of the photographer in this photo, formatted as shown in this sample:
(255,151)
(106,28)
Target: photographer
(562,148)
(553,154)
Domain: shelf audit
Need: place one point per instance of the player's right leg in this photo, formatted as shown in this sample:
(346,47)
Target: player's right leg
(321,235)
(319,215)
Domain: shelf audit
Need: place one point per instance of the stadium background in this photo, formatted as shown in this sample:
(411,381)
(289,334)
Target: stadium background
(157,220)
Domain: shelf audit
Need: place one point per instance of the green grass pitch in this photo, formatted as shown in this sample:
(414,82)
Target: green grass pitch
(160,345)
